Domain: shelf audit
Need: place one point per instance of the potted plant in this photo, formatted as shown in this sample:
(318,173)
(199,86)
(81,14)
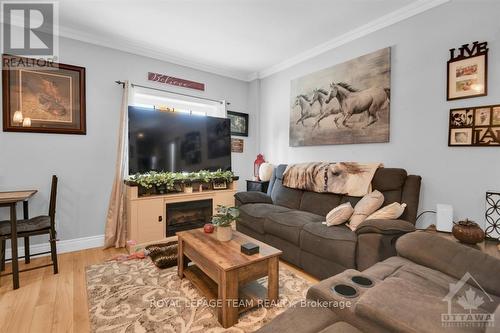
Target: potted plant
(223,219)
(188,186)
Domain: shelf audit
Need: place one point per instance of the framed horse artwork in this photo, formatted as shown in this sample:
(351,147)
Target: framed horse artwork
(343,104)
(42,97)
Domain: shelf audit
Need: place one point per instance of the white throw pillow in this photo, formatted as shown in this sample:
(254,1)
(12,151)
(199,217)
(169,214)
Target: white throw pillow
(389,212)
(365,207)
(339,214)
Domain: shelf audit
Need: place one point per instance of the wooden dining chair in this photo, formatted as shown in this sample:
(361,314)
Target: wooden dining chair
(39,225)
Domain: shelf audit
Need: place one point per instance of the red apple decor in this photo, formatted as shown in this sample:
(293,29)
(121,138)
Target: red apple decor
(208,228)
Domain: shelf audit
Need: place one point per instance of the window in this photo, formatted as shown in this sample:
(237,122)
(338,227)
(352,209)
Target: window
(178,103)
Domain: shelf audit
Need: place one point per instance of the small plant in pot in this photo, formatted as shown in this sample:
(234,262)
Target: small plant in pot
(188,186)
(223,219)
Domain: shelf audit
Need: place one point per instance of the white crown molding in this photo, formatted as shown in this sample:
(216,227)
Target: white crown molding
(69,245)
(142,49)
(394,17)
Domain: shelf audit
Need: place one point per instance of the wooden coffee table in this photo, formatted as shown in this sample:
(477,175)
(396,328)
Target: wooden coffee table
(221,271)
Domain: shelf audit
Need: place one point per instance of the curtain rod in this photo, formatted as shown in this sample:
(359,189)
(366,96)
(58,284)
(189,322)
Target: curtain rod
(172,92)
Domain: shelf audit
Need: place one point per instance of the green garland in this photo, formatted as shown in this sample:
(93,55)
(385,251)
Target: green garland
(169,179)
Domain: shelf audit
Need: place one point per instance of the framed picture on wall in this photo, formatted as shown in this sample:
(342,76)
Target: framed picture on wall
(239,123)
(362,83)
(237,145)
(475,126)
(468,72)
(45,99)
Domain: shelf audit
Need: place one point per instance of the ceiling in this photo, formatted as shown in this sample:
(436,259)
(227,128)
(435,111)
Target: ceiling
(244,39)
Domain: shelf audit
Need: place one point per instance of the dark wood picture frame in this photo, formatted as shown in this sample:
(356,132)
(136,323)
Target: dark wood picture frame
(79,126)
(476,132)
(468,52)
(237,145)
(234,131)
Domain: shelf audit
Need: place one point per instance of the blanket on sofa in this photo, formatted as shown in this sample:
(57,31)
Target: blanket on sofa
(348,178)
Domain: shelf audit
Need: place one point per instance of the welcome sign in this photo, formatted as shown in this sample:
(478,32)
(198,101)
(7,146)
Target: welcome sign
(174,81)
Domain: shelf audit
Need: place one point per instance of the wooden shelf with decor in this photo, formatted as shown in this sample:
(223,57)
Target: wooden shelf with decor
(147,215)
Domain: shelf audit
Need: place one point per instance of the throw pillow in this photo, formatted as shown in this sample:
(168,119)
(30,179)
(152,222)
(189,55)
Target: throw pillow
(389,212)
(339,214)
(365,207)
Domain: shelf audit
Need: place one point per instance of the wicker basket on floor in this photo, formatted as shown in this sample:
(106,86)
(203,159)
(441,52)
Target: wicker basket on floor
(163,255)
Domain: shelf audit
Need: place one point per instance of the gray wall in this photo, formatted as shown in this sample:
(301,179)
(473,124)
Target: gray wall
(419,110)
(85,164)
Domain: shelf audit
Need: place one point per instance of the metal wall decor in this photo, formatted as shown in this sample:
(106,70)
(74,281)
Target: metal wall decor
(477,126)
(492,215)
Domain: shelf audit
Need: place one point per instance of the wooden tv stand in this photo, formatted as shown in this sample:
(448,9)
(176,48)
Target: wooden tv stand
(147,215)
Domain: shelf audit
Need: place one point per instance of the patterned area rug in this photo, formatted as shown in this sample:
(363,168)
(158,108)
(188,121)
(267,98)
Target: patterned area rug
(135,296)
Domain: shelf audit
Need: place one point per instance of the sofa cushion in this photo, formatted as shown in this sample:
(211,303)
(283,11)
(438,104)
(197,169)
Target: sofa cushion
(387,267)
(378,305)
(339,214)
(340,327)
(284,196)
(252,216)
(451,258)
(405,269)
(301,318)
(366,206)
(389,212)
(335,243)
(319,203)
(287,225)
(387,179)
(252,197)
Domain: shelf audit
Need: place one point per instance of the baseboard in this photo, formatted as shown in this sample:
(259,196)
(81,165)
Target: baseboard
(68,245)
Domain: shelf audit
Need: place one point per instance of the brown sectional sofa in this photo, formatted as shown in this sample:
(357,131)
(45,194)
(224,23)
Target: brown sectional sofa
(290,220)
(410,293)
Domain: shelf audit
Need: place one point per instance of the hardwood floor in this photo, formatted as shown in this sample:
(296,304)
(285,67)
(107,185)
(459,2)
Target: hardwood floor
(57,303)
(46,302)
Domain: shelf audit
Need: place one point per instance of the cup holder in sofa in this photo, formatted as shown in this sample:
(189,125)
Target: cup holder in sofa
(362,281)
(345,290)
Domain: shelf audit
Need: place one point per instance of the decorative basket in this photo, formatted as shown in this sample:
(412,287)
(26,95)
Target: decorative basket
(163,255)
(468,232)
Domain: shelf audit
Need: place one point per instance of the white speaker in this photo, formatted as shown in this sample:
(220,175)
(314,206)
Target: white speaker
(444,219)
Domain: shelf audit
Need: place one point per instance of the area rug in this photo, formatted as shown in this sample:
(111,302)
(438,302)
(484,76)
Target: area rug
(136,296)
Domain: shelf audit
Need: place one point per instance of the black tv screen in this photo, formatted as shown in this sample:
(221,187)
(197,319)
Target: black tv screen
(172,141)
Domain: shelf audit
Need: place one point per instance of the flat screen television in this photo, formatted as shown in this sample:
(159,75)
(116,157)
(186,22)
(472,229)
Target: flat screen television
(170,141)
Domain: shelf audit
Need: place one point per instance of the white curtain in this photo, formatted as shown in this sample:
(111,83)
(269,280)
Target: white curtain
(116,228)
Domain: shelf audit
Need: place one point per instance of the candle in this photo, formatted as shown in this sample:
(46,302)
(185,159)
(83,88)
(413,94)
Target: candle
(27,122)
(18,117)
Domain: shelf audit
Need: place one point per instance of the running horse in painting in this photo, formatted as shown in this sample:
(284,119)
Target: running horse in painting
(353,101)
(328,106)
(306,110)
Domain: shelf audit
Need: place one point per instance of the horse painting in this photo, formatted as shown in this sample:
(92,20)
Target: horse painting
(306,110)
(353,101)
(346,103)
(328,106)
